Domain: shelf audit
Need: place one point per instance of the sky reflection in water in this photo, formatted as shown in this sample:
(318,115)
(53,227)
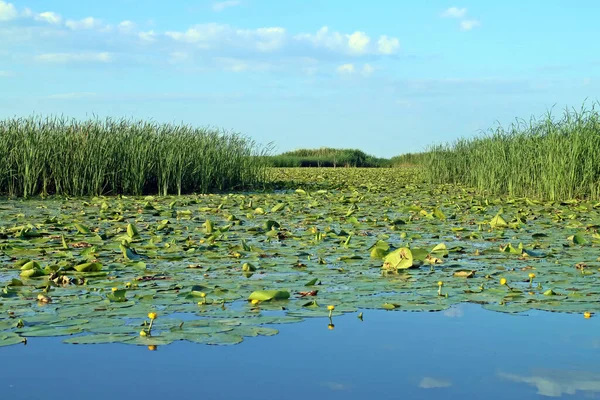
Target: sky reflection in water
(463,352)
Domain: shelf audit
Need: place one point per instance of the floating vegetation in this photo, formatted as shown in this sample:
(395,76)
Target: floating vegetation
(215,269)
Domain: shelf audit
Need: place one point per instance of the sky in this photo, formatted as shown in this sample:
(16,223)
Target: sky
(387,77)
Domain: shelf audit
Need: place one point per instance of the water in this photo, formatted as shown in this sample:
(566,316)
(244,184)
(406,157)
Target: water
(462,353)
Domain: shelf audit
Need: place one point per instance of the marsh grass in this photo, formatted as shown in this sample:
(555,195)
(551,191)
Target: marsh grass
(409,159)
(326,157)
(62,156)
(547,158)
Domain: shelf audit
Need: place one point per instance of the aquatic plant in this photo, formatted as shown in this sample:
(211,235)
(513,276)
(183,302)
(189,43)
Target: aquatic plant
(56,155)
(552,159)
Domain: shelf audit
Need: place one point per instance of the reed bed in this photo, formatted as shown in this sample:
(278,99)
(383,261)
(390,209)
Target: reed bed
(546,158)
(326,157)
(409,159)
(56,155)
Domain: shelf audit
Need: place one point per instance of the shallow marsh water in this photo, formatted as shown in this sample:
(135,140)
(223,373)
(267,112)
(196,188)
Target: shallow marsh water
(463,352)
(332,235)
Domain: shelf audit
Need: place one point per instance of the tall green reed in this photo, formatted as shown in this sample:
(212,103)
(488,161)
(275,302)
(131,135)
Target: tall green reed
(547,158)
(120,156)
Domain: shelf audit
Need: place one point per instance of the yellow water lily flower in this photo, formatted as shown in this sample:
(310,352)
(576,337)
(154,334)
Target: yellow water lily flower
(114,289)
(531,275)
(152,347)
(152,315)
(331,327)
(503,281)
(330,308)
(440,283)
(143,333)
(587,314)
(255,301)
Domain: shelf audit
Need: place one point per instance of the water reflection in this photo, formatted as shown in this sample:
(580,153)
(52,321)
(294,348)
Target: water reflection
(432,383)
(454,354)
(555,383)
(454,312)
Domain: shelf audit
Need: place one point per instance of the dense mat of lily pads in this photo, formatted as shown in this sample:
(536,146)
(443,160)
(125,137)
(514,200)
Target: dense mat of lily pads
(218,268)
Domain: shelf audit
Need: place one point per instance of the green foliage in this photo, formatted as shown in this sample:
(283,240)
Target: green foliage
(547,158)
(355,238)
(93,157)
(409,159)
(326,157)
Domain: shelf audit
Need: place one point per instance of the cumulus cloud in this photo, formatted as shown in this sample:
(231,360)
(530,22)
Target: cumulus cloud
(147,36)
(49,17)
(91,40)
(222,5)
(7,11)
(63,58)
(468,24)
(461,13)
(454,12)
(352,69)
(357,43)
(126,26)
(387,45)
(208,36)
(85,23)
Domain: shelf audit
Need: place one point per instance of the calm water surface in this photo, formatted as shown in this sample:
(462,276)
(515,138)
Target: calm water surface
(463,353)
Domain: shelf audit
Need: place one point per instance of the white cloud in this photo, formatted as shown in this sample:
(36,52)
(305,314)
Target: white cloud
(357,43)
(49,17)
(265,39)
(469,24)
(368,70)
(7,11)
(222,5)
(62,58)
(346,69)
(126,26)
(148,36)
(86,23)
(199,33)
(212,35)
(461,13)
(455,12)
(387,45)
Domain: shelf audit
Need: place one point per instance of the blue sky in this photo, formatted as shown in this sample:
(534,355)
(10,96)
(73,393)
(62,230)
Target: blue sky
(387,77)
